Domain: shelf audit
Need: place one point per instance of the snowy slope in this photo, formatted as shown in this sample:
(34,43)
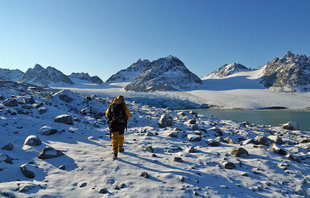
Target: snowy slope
(226,70)
(186,161)
(10,75)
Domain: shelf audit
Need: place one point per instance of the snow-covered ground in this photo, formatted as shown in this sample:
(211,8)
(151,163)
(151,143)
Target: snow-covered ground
(86,166)
(240,90)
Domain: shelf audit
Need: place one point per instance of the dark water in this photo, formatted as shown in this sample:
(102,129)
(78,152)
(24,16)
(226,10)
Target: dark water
(266,117)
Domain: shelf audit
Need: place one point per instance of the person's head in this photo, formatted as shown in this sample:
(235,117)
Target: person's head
(121,98)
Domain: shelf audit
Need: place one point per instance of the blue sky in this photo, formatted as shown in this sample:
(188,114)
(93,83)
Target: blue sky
(101,37)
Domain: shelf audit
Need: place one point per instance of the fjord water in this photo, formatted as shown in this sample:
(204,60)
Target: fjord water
(265,117)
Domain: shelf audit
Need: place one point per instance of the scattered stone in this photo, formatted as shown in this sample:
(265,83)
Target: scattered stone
(262,140)
(144,174)
(275,139)
(62,167)
(165,120)
(65,119)
(65,98)
(149,149)
(228,165)
(32,140)
(283,166)
(249,141)
(49,152)
(103,190)
(174,134)
(306,140)
(177,159)
(2,97)
(5,158)
(291,125)
(245,174)
(83,184)
(181,178)
(10,102)
(191,149)
(29,100)
(195,127)
(27,170)
(212,142)
(116,187)
(217,130)
(194,138)
(149,134)
(8,147)
(292,157)
(193,113)
(154,155)
(229,140)
(276,149)
(49,131)
(42,110)
(239,152)
(192,121)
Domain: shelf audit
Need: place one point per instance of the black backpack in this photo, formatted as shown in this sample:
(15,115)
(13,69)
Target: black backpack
(117,113)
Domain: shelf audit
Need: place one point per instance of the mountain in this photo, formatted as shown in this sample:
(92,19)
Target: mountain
(164,74)
(44,77)
(289,73)
(127,75)
(10,75)
(227,70)
(87,77)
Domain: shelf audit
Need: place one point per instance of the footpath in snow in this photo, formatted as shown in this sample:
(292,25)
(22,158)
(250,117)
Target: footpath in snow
(55,143)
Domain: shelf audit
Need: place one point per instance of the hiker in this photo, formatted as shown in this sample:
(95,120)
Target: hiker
(118,114)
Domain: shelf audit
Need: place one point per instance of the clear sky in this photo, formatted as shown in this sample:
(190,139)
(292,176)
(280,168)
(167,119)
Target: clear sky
(103,36)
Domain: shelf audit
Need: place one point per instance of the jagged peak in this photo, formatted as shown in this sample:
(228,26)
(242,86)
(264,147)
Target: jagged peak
(38,66)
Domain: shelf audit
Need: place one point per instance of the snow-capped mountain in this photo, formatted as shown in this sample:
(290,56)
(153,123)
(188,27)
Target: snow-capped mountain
(87,77)
(164,74)
(289,73)
(41,76)
(127,75)
(10,75)
(227,70)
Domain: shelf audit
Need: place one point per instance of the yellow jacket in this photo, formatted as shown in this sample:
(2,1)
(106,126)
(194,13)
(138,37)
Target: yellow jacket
(118,101)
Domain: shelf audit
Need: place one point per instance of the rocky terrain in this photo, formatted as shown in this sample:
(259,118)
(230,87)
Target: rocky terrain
(10,75)
(44,76)
(289,73)
(55,143)
(87,77)
(226,70)
(164,74)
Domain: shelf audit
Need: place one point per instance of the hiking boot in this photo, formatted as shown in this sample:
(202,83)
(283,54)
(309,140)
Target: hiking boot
(114,156)
(121,150)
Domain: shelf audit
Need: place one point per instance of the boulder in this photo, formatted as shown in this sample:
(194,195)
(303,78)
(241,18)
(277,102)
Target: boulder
(8,147)
(229,140)
(49,152)
(177,159)
(29,100)
(103,190)
(192,121)
(191,149)
(217,130)
(249,141)
(262,140)
(239,152)
(42,110)
(64,97)
(291,125)
(144,174)
(174,134)
(165,120)
(49,131)
(149,149)
(228,165)
(65,119)
(305,140)
(27,170)
(276,149)
(194,138)
(275,139)
(32,140)
(212,142)
(195,127)
(5,158)
(10,102)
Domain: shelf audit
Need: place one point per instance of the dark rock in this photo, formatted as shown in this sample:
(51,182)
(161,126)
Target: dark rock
(5,158)
(10,102)
(291,126)
(149,134)
(25,168)
(8,147)
(228,165)
(83,184)
(212,142)
(239,152)
(276,149)
(49,152)
(42,110)
(62,167)
(29,100)
(217,130)
(165,120)
(181,178)
(195,127)
(149,149)
(32,140)
(144,174)
(192,121)
(191,149)
(174,134)
(49,131)
(229,140)
(65,98)
(103,190)
(2,97)
(194,138)
(65,119)
(177,159)
(275,139)
(306,140)
(263,140)
(249,141)
(292,157)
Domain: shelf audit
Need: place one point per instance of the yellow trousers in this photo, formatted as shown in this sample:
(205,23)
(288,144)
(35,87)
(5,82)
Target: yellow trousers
(117,141)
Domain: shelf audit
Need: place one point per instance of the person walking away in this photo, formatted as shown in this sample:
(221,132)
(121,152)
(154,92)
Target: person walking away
(118,114)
